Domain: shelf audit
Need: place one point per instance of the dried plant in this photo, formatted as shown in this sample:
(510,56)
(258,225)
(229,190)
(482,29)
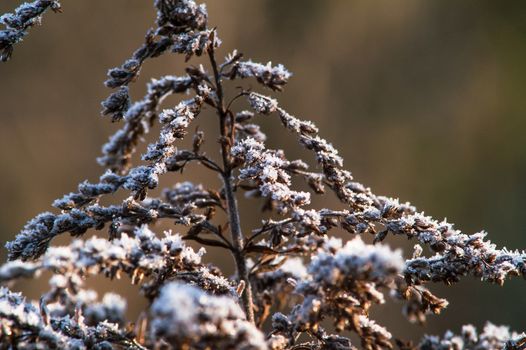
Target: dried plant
(292,275)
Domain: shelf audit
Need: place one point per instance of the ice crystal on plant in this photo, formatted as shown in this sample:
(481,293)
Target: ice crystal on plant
(262,104)
(296,286)
(273,77)
(185,315)
(18,23)
(355,260)
(491,337)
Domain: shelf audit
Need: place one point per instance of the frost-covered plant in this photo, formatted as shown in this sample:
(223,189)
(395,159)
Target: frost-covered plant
(18,23)
(292,274)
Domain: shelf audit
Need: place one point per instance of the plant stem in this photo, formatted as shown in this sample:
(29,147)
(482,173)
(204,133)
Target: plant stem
(238,240)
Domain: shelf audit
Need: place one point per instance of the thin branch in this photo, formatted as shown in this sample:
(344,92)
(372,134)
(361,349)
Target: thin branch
(206,241)
(266,228)
(241,94)
(218,232)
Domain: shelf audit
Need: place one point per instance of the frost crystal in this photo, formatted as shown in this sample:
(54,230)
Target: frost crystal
(262,104)
(273,77)
(267,168)
(292,276)
(186,316)
(18,23)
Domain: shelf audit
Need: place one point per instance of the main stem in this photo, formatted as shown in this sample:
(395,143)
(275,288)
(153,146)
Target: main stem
(238,240)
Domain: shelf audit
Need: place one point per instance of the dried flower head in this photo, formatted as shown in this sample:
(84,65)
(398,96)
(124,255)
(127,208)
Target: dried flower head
(296,286)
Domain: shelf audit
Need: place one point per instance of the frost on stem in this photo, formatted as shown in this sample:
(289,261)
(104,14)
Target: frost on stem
(292,274)
(492,337)
(174,124)
(138,117)
(117,104)
(181,15)
(463,254)
(34,239)
(267,168)
(25,326)
(19,22)
(186,316)
(143,257)
(273,77)
(343,282)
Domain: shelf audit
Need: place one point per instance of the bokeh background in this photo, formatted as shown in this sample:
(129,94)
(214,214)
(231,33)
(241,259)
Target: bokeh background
(424,99)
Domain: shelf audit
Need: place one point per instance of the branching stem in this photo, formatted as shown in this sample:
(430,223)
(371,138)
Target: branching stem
(238,240)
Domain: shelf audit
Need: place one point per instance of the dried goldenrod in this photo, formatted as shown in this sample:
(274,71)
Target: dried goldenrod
(289,271)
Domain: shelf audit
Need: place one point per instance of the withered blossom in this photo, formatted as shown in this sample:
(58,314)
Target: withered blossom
(491,337)
(267,168)
(19,22)
(188,317)
(293,277)
(25,325)
(273,77)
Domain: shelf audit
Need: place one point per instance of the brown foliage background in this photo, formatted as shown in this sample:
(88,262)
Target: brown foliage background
(425,101)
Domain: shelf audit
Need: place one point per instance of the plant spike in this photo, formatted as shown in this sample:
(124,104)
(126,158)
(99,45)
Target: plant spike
(296,286)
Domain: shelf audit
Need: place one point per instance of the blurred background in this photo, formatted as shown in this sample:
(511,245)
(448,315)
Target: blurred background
(424,100)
